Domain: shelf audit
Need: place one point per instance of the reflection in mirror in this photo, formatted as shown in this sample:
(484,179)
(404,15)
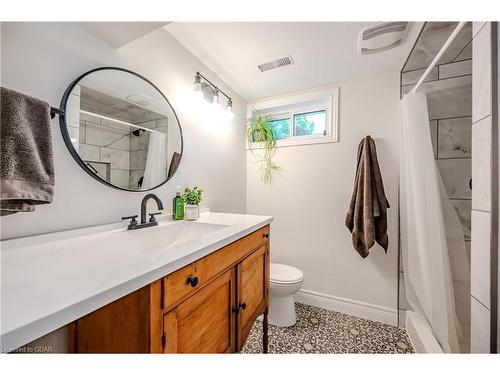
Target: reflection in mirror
(123,130)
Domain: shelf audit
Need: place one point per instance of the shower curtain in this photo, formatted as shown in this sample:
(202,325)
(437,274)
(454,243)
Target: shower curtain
(431,233)
(156,162)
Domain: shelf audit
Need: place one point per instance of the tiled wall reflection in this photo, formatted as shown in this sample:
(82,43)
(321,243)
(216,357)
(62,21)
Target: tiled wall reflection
(106,146)
(112,150)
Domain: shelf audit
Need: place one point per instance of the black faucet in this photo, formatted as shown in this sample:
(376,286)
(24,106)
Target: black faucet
(143,207)
(152,221)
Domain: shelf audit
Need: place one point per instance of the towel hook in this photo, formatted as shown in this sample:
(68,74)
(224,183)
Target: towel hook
(56,111)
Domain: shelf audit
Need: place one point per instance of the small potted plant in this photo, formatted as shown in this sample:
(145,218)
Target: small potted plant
(192,198)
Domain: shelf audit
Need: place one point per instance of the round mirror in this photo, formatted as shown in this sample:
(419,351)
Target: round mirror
(121,129)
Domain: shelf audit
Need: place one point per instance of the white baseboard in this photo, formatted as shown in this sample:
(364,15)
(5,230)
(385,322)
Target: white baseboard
(348,306)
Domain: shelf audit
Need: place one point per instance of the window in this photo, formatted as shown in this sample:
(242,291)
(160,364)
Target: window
(281,127)
(310,123)
(303,118)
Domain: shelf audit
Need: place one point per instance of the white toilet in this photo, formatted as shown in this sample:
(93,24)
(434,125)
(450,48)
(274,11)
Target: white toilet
(285,282)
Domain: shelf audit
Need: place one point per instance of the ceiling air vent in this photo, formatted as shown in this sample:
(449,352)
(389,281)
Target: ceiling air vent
(284,61)
(381,37)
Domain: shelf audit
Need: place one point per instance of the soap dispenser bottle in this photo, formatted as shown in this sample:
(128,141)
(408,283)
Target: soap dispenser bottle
(178,207)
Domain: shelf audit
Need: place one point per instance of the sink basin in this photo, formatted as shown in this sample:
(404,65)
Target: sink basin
(167,234)
(123,248)
(109,254)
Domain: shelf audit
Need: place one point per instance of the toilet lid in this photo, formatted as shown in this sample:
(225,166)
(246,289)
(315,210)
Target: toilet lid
(282,273)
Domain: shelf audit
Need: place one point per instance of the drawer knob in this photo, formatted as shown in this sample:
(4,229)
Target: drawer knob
(265,235)
(241,306)
(193,280)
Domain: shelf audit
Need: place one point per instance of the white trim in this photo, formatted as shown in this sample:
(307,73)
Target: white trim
(330,99)
(296,141)
(348,306)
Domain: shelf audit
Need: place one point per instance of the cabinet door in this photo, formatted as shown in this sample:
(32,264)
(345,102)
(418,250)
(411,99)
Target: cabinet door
(131,324)
(253,291)
(205,322)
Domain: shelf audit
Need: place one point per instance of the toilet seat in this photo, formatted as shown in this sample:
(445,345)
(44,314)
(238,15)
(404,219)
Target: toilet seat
(284,274)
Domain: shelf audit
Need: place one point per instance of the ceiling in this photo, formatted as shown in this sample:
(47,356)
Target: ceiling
(99,103)
(118,34)
(323,53)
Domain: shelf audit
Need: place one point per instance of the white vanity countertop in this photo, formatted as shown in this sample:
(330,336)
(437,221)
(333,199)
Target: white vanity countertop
(50,280)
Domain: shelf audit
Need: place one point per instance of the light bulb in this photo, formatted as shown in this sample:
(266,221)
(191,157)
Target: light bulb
(197,86)
(197,90)
(215,99)
(229,109)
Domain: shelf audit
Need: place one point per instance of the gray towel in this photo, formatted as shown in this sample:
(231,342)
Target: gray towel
(367,215)
(26,162)
(174,163)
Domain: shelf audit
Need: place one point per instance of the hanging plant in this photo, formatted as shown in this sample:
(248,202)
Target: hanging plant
(261,134)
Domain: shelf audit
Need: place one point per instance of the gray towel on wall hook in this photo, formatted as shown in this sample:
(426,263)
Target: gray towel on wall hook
(26,157)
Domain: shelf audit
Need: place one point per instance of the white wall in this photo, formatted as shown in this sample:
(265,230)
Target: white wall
(310,199)
(41,59)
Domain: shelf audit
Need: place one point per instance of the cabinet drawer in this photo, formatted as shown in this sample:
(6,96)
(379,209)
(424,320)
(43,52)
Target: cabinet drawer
(184,282)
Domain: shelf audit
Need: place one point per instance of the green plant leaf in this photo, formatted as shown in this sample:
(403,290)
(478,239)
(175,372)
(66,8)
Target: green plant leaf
(192,196)
(260,132)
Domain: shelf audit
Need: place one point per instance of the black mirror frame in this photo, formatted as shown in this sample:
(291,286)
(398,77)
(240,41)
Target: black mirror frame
(67,139)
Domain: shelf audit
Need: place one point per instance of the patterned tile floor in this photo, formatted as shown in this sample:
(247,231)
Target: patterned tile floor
(323,331)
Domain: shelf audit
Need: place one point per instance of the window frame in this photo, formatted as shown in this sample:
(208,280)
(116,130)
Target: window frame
(325,99)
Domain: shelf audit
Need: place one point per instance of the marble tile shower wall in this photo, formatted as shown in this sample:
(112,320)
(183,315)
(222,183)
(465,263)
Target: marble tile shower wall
(105,145)
(138,155)
(116,154)
(484,216)
(449,97)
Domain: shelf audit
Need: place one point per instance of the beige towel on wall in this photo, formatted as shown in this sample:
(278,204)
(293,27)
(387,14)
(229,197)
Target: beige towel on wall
(26,161)
(367,215)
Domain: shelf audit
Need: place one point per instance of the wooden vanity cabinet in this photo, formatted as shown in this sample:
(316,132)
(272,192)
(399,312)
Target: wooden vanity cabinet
(205,322)
(132,324)
(208,306)
(253,291)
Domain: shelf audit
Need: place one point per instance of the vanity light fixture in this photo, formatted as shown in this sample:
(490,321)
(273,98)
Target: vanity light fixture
(206,89)
(197,85)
